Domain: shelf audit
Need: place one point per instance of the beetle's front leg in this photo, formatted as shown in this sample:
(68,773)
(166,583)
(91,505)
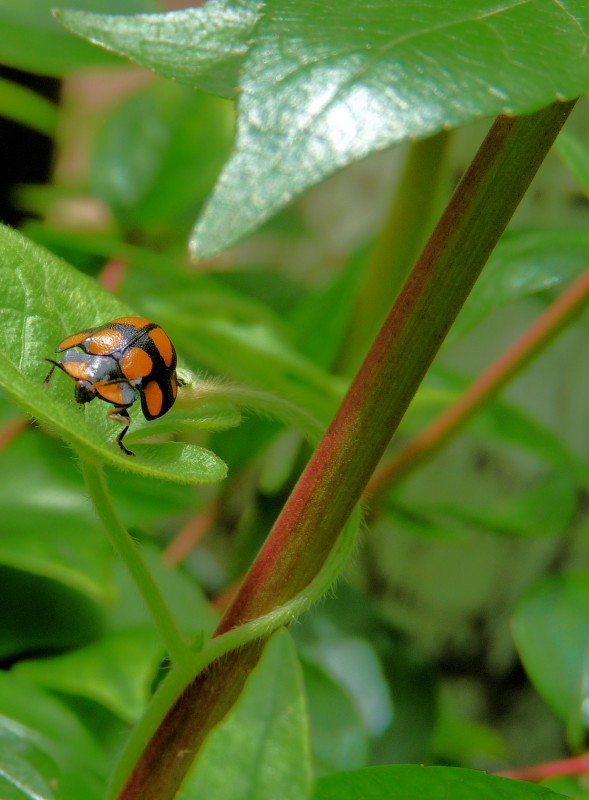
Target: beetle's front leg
(120,414)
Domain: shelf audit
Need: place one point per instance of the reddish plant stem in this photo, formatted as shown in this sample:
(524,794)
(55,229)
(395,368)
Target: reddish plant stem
(578,765)
(10,430)
(333,482)
(190,535)
(488,384)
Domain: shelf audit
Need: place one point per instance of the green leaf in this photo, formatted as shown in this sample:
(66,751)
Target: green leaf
(116,671)
(43,746)
(48,527)
(43,616)
(316,96)
(32,41)
(338,737)
(551,631)
(546,508)
(157,154)
(44,301)
(575,154)
(425,783)
(203,47)
(261,748)
(524,263)
(185,599)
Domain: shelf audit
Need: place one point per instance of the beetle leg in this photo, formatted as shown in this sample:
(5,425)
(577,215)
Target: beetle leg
(50,373)
(120,414)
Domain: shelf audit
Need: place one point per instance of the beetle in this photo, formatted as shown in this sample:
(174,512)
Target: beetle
(117,360)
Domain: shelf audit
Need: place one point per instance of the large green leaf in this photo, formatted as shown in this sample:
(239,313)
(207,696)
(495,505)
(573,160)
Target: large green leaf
(425,783)
(261,749)
(326,84)
(203,47)
(31,40)
(323,85)
(551,630)
(45,300)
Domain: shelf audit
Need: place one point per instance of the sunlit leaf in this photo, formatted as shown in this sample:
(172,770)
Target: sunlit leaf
(203,47)
(325,85)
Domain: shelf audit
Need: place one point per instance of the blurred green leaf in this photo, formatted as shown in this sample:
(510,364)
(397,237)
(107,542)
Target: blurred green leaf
(498,420)
(45,300)
(551,631)
(116,671)
(185,599)
(339,739)
(546,508)
(157,155)
(203,47)
(48,527)
(575,154)
(434,783)
(44,746)
(265,733)
(43,616)
(31,40)
(391,689)
(353,662)
(568,786)
(316,96)
(524,263)
(321,320)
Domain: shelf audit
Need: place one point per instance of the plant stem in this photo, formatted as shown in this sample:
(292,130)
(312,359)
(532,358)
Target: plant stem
(309,526)
(578,765)
(178,651)
(409,220)
(488,384)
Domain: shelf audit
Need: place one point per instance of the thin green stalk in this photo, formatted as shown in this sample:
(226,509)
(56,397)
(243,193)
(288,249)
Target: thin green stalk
(409,220)
(178,651)
(309,526)
(199,392)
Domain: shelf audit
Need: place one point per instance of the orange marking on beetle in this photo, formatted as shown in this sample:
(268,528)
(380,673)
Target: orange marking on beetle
(105,342)
(111,392)
(136,363)
(174,385)
(136,322)
(163,344)
(153,398)
(75,340)
(79,372)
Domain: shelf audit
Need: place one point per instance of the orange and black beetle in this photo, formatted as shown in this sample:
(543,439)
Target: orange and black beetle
(118,359)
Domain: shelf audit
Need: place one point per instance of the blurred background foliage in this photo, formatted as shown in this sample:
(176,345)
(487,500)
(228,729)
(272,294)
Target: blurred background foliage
(459,634)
